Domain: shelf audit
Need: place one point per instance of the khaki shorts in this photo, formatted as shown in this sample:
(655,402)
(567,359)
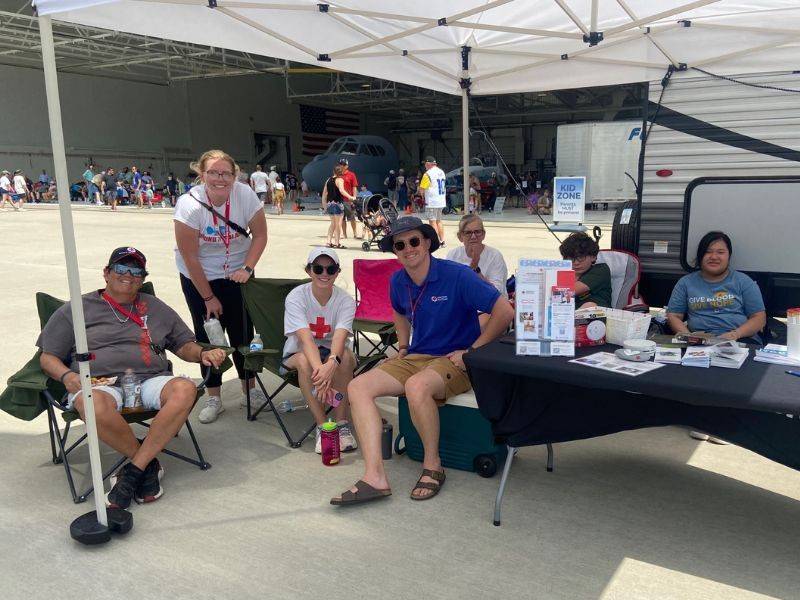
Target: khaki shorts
(455,380)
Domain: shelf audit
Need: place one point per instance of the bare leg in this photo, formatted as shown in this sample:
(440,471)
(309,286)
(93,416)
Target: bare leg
(336,228)
(330,230)
(304,371)
(177,400)
(341,379)
(111,427)
(421,389)
(362,392)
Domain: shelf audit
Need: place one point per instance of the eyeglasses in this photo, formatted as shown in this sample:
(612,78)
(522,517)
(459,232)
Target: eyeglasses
(473,232)
(121,269)
(330,269)
(226,175)
(413,242)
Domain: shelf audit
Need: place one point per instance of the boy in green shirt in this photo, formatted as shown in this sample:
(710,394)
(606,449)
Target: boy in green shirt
(593,287)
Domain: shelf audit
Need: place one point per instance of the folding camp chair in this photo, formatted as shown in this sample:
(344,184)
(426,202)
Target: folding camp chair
(625,273)
(265,302)
(374,313)
(33,391)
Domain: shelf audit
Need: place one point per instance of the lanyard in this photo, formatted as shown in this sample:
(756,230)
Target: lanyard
(145,342)
(226,237)
(415,303)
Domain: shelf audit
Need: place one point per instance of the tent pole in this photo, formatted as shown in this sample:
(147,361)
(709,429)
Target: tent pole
(465,144)
(71,256)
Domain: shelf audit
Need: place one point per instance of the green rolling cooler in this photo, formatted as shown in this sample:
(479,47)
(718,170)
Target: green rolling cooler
(465,440)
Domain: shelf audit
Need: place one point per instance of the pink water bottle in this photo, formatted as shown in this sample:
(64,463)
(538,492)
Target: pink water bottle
(329,439)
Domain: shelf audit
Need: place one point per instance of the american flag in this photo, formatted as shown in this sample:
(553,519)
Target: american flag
(321,126)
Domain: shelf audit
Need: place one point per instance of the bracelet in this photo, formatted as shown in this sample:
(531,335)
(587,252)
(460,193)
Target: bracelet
(209,298)
(403,347)
(64,374)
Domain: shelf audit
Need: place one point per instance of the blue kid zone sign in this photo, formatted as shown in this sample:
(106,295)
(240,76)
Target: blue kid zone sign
(569,195)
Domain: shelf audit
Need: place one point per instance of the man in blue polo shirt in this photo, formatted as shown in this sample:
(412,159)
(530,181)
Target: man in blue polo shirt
(436,304)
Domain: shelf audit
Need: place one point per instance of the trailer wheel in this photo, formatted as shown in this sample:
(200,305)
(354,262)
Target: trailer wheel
(365,246)
(485,465)
(623,235)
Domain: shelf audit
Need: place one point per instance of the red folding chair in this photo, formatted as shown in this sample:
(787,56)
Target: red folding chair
(374,314)
(625,273)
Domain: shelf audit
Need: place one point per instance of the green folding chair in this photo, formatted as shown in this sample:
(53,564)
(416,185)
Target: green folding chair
(30,392)
(265,302)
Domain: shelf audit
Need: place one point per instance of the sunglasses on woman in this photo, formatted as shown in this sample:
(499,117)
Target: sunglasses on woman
(413,242)
(330,269)
(121,269)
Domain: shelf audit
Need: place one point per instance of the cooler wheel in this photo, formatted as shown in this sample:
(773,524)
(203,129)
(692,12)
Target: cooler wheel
(397,449)
(365,246)
(485,465)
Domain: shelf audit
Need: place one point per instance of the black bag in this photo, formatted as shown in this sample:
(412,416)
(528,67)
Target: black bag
(236,227)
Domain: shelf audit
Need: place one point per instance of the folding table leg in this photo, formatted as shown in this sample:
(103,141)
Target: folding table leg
(549,457)
(506,470)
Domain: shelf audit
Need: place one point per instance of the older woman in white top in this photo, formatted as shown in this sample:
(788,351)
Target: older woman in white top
(486,261)
(221,233)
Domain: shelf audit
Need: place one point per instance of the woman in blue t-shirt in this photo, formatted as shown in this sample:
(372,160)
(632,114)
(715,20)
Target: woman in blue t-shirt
(716,299)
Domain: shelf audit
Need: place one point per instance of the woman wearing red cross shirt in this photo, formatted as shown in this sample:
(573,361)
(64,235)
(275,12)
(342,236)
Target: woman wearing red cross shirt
(318,323)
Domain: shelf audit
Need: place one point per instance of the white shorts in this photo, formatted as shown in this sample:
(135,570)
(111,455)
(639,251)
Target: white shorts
(151,392)
(433,214)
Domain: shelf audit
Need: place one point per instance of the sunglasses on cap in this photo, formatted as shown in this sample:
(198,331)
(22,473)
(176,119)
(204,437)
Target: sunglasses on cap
(413,242)
(330,269)
(121,269)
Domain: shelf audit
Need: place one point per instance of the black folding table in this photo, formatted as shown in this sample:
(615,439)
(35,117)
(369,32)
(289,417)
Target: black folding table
(542,400)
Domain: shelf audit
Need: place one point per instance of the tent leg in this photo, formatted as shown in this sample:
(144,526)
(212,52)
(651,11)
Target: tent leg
(71,254)
(465,145)
(500,492)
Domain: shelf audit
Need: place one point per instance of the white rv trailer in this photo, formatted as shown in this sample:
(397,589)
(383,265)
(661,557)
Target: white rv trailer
(735,144)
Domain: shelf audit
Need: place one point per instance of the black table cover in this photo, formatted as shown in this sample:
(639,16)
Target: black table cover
(534,400)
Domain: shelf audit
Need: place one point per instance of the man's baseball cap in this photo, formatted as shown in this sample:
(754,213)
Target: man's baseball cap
(430,159)
(404,224)
(322,251)
(124,252)
(343,161)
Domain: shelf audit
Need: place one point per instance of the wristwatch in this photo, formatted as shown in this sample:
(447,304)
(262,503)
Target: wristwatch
(336,358)
(248,269)
(477,270)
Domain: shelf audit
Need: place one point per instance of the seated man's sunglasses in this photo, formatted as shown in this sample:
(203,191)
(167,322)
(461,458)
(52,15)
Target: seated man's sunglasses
(121,269)
(413,242)
(330,269)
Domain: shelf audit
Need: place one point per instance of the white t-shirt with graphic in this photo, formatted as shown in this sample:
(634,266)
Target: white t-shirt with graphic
(260,181)
(304,312)
(19,184)
(5,183)
(244,205)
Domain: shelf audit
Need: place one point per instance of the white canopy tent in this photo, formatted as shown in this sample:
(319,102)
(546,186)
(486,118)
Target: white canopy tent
(452,46)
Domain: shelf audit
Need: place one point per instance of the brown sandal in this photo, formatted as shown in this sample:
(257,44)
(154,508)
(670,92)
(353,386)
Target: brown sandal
(364,493)
(439,478)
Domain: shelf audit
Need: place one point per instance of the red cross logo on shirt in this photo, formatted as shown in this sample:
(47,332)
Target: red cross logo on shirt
(319,329)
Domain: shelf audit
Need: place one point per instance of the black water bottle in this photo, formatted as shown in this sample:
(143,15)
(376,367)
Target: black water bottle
(386,440)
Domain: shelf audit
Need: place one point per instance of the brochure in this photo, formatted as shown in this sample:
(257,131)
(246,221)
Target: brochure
(728,357)
(697,356)
(668,356)
(776,354)
(607,361)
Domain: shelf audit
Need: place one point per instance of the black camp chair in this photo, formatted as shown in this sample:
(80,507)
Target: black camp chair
(30,391)
(265,302)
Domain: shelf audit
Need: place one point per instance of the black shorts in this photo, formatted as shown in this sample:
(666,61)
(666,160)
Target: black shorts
(348,211)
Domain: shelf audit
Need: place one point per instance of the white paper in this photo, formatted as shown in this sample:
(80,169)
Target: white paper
(668,356)
(607,361)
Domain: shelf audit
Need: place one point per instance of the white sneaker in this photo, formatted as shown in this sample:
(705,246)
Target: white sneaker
(257,400)
(318,443)
(347,441)
(212,410)
(699,435)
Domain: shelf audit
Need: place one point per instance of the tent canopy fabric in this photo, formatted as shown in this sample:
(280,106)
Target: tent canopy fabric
(515,45)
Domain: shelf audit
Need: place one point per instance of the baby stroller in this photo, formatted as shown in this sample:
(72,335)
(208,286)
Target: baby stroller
(377,214)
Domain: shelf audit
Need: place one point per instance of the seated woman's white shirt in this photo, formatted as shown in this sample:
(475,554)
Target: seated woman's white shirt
(491,263)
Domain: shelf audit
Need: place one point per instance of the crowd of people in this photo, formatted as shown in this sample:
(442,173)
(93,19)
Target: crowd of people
(453,306)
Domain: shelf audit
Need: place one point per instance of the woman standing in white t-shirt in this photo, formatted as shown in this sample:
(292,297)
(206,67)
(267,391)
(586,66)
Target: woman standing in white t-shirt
(318,323)
(214,256)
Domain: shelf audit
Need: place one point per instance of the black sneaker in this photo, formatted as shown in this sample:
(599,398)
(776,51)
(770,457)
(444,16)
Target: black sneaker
(124,484)
(150,489)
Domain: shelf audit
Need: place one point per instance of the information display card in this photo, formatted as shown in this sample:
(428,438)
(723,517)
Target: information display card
(545,304)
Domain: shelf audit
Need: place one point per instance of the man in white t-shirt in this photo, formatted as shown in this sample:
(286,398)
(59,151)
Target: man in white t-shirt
(318,323)
(259,181)
(432,188)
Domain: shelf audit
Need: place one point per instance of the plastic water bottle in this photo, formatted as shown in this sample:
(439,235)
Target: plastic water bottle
(330,443)
(214,332)
(793,333)
(256,344)
(131,390)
